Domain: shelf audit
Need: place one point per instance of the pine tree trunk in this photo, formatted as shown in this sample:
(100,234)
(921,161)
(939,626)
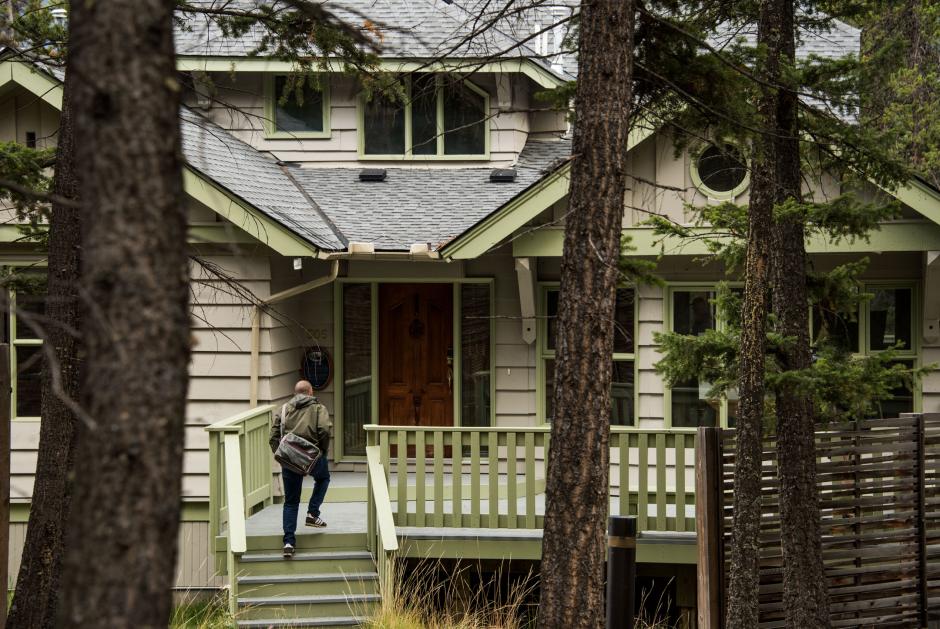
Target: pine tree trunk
(37,585)
(573,550)
(122,539)
(805,591)
(743,592)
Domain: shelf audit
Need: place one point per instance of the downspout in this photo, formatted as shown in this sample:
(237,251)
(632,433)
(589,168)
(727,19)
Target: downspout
(258,310)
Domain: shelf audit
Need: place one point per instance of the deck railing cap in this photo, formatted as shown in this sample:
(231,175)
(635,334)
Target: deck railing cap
(233,423)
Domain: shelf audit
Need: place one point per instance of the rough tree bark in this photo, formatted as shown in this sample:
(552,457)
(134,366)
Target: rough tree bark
(573,551)
(121,545)
(805,592)
(743,593)
(37,585)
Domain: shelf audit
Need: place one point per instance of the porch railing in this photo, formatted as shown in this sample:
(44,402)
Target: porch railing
(495,477)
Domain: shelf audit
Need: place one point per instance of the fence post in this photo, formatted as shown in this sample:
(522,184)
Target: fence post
(621,571)
(5,410)
(708,479)
(922,520)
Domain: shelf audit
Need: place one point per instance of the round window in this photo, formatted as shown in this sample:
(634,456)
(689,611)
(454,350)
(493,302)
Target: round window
(720,171)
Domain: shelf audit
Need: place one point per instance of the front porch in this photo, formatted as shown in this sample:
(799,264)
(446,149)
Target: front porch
(426,493)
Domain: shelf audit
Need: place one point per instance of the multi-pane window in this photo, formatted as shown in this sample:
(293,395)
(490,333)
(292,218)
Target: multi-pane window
(886,321)
(26,356)
(297,108)
(693,313)
(622,387)
(438,117)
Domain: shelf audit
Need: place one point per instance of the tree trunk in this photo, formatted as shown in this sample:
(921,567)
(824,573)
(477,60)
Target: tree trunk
(122,540)
(744,583)
(37,586)
(805,591)
(573,550)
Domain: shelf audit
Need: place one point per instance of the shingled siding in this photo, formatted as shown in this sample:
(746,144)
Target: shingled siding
(239,108)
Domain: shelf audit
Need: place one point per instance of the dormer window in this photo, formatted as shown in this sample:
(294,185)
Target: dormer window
(297,107)
(438,118)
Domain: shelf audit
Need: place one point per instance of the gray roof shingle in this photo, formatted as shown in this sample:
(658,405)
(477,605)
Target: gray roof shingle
(422,205)
(423,29)
(330,206)
(252,176)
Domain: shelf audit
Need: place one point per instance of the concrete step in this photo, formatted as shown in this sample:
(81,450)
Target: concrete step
(253,586)
(312,606)
(322,623)
(305,562)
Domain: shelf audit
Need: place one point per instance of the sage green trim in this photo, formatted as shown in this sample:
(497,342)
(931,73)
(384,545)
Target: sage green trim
(501,224)
(270,113)
(338,365)
(893,236)
(35,81)
(920,197)
(544,354)
(439,154)
(19,512)
(540,75)
(258,225)
(198,233)
(15,344)
(525,207)
(680,551)
(190,511)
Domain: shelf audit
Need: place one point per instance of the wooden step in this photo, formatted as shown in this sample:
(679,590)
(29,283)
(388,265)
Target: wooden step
(312,606)
(304,562)
(306,541)
(253,586)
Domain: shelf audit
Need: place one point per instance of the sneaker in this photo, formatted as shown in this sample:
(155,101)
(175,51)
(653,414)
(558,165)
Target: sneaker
(288,551)
(315,521)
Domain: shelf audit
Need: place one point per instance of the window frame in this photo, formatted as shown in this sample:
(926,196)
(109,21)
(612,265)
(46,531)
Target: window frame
(408,155)
(338,348)
(695,154)
(720,324)
(543,354)
(271,131)
(15,344)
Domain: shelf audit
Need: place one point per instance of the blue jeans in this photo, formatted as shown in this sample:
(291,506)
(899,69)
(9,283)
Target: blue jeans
(293,483)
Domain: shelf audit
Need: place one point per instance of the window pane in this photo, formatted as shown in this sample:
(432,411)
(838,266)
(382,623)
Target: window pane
(299,110)
(551,313)
(836,328)
(902,402)
(357,366)
(623,321)
(464,126)
(890,318)
(475,354)
(31,301)
(692,312)
(722,168)
(424,116)
(384,122)
(690,409)
(29,362)
(621,394)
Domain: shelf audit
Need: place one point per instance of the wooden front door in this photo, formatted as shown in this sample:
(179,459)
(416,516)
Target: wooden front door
(416,341)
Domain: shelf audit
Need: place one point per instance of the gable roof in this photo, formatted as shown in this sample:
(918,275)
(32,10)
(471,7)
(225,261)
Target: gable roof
(422,205)
(404,29)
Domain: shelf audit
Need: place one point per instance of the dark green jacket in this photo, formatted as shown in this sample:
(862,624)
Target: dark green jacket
(305,417)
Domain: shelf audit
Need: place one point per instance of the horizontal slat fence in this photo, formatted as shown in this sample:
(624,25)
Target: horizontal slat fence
(468,477)
(879,491)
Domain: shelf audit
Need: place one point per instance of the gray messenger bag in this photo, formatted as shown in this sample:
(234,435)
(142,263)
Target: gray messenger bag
(296,453)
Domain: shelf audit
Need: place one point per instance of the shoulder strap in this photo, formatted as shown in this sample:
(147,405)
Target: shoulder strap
(283,417)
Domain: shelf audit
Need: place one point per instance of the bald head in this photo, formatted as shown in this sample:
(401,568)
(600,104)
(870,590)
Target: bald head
(303,387)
